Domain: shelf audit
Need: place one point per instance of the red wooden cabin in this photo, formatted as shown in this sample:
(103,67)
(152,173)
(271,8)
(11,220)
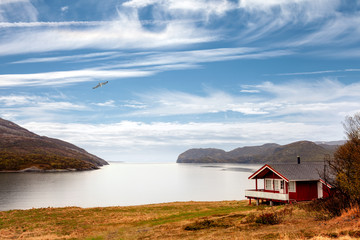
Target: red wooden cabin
(289,183)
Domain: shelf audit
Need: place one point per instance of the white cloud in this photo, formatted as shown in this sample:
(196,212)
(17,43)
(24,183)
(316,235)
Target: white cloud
(5,2)
(41,102)
(279,113)
(109,103)
(341,30)
(64,8)
(140,139)
(292,10)
(134,104)
(323,100)
(352,70)
(66,77)
(72,58)
(39,108)
(310,73)
(188,58)
(128,134)
(126,32)
(36,24)
(17,10)
(186,7)
(249,91)
(321,90)
(168,103)
(188,22)
(133,66)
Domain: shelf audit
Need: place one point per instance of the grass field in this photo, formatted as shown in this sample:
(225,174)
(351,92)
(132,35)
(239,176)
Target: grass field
(179,220)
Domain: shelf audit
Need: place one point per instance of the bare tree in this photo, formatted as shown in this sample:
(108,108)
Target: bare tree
(352,127)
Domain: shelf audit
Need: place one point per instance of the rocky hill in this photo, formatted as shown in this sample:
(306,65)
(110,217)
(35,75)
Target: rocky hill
(271,152)
(22,150)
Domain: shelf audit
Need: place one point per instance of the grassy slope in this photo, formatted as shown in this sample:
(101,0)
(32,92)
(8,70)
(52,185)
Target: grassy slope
(208,220)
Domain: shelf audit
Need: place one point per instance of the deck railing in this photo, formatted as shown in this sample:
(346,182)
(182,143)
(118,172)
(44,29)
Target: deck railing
(261,194)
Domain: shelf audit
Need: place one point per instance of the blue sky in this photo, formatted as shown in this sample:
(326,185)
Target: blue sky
(182,74)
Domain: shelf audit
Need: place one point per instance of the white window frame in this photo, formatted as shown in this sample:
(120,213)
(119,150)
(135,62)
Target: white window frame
(271,184)
(292,186)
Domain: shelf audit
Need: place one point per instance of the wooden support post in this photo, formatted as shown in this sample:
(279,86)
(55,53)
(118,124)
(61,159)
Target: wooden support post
(249,201)
(257,202)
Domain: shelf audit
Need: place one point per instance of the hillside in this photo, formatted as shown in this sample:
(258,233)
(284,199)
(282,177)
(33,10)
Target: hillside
(21,149)
(308,151)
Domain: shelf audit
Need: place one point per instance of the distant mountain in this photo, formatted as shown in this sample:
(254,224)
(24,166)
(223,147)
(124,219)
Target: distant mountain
(271,152)
(21,149)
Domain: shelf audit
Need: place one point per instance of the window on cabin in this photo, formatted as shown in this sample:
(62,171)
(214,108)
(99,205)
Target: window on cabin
(277,185)
(292,187)
(268,184)
(281,184)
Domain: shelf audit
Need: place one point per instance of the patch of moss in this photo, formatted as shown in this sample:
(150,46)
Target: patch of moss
(206,224)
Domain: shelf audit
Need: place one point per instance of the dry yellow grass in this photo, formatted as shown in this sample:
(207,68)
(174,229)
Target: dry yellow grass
(180,220)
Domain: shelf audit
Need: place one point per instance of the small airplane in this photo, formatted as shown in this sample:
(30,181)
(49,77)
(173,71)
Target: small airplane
(100,84)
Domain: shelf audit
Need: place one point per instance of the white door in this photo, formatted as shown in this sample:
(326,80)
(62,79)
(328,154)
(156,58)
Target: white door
(282,186)
(320,189)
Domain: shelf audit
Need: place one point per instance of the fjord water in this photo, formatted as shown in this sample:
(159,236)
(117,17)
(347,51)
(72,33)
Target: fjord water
(125,184)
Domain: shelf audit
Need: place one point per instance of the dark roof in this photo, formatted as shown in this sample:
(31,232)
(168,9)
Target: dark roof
(296,172)
(300,172)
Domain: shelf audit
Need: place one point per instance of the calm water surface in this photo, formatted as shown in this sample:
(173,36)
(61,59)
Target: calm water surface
(124,184)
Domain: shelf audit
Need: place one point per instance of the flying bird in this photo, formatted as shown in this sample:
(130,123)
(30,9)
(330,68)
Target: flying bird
(100,84)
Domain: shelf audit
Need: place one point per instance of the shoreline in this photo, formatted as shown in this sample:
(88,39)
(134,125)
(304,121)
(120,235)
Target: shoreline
(35,169)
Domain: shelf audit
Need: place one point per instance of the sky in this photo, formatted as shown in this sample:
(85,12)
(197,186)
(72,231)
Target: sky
(181,74)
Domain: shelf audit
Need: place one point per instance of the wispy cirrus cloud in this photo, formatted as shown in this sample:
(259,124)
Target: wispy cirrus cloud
(304,110)
(48,103)
(316,72)
(318,99)
(36,24)
(297,99)
(137,64)
(73,58)
(203,56)
(37,107)
(179,24)
(52,107)
(187,9)
(67,77)
(341,30)
(17,10)
(320,90)
(125,32)
(168,103)
(109,103)
(183,23)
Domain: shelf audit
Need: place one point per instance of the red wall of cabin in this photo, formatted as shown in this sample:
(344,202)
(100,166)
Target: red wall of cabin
(326,191)
(271,175)
(305,191)
(292,196)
